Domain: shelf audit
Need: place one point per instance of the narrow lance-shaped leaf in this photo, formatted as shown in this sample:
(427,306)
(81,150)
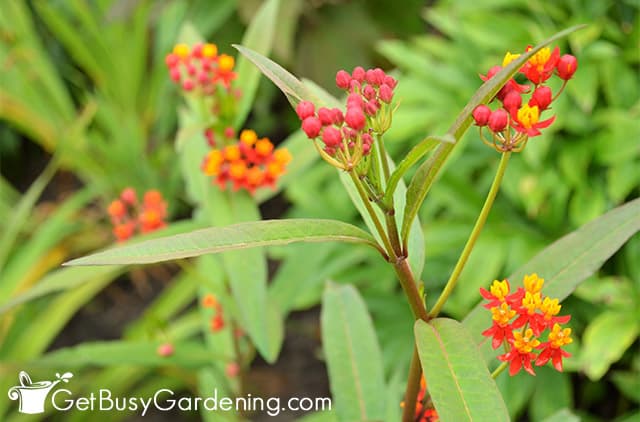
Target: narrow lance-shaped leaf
(458,380)
(427,172)
(568,261)
(236,236)
(353,356)
(288,84)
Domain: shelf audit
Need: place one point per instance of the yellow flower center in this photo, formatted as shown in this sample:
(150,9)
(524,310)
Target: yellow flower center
(225,63)
(181,50)
(541,58)
(528,116)
(525,342)
(508,58)
(209,50)
(282,156)
(559,337)
(531,302)
(550,307)
(264,147)
(533,283)
(500,289)
(502,314)
(248,137)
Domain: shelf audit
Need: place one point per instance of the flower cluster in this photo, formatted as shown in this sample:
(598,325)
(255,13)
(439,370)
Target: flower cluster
(348,135)
(200,68)
(424,413)
(128,215)
(250,163)
(517,120)
(520,318)
(217,321)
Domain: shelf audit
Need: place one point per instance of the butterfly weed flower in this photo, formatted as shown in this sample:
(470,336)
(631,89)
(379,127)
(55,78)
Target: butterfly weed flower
(519,115)
(200,68)
(520,319)
(247,163)
(129,216)
(345,136)
(424,408)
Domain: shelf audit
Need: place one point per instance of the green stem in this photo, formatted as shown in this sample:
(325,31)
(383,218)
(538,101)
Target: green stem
(499,369)
(384,160)
(376,221)
(473,237)
(413,387)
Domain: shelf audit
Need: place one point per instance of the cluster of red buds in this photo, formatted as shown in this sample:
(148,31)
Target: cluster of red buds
(248,163)
(517,120)
(424,408)
(520,318)
(348,136)
(217,322)
(200,68)
(128,215)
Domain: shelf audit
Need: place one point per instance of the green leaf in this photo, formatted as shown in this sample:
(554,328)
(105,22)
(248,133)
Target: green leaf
(353,356)
(259,37)
(236,236)
(568,261)
(563,415)
(288,84)
(427,172)
(605,340)
(186,354)
(459,382)
(416,153)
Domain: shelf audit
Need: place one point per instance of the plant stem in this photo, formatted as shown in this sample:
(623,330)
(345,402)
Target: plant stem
(499,369)
(413,387)
(473,237)
(376,221)
(384,160)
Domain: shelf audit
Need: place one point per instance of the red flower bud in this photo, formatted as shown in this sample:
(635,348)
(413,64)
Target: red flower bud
(358,74)
(512,101)
(375,76)
(129,196)
(165,350)
(175,74)
(305,109)
(210,136)
(567,66)
(229,132)
(337,116)
(371,107)
(541,97)
(498,120)
(171,60)
(354,100)
(343,79)
(325,115)
(188,85)
(331,136)
(369,92)
(367,139)
(481,115)
(191,70)
(311,126)
(386,93)
(355,118)
(390,81)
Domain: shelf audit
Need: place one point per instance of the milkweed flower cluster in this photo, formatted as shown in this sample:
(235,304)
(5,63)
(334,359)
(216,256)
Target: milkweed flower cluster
(200,67)
(128,216)
(248,163)
(217,321)
(348,135)
(423,413)
(519,118)
(518,321)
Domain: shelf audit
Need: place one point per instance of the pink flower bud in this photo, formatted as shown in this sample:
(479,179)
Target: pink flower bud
(336,116)
(343,79)
(188,85)
(329,150)
(354,100)
(191,70)
(498,120)
(325,115)
(367,139)
(541,97)
(305,109)
(371,107)
(355,118)
(165,350)
(366,148)
(331,136)
(358,74)
(386,93)
(481,115)
(232,369)
(311,126)
(203,78)
(354,86)
(349,133)
(390,81)
(375,76)
(229,132)
(369,92)
(567,66)
(196,51)
(129,196)
(175,74)
(171,60)
(211,139)
(512,101)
